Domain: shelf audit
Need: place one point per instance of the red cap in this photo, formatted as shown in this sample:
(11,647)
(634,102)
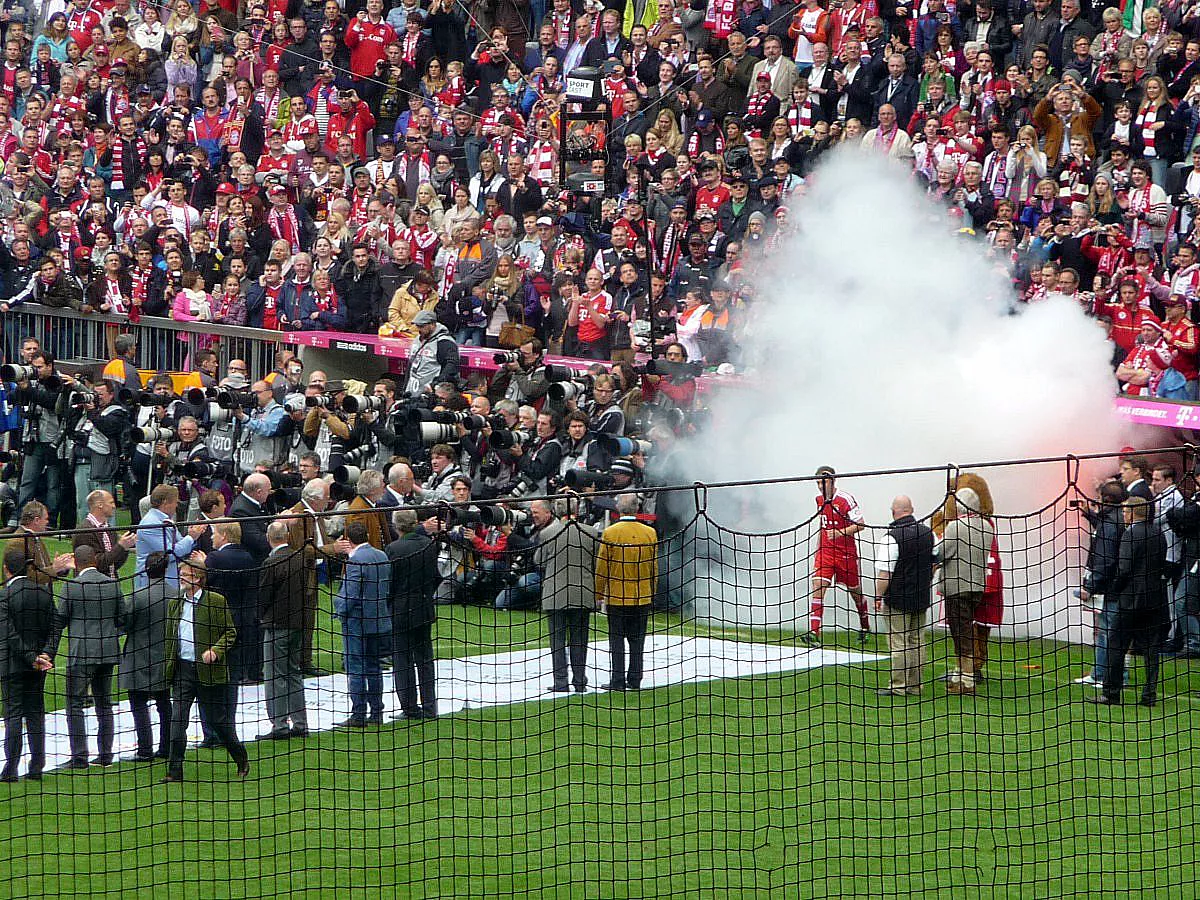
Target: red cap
(226,188)
(1001,84)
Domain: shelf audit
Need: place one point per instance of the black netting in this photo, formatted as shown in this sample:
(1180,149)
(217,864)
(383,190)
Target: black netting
(753,758)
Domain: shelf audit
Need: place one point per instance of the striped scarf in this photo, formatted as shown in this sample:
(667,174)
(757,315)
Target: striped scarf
(541,161)
(118,161)
(1146,117)
(800,118)
(285,226)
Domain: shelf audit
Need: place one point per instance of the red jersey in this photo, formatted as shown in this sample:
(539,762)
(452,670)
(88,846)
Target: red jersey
(80,25)
(1127,324)
(841,511)
(271,306)
(598,307)
(711,199)
(356,123)
(368,42)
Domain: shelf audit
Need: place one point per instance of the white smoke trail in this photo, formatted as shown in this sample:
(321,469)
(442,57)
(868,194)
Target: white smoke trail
(882,342)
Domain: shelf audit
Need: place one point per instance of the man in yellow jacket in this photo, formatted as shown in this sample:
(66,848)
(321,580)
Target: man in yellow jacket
(626,572)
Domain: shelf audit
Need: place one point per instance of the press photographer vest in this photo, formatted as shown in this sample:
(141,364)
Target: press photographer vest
(257,447)
(222,439)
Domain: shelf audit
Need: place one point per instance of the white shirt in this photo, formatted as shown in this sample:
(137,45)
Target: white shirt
(187,627)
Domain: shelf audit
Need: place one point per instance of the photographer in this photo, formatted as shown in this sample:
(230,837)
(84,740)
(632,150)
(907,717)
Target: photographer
(440,485)
(327,428)
(603,412)
(580,449)
(675,385)
(433,356)
(493,468)
(42,437)
(523,379)
(99,443)
(539,461)
(156,409)
(188,447)
(262,430)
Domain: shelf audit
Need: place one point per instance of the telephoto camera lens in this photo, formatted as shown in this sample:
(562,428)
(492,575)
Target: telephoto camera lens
(18,373)
(356,403)
(506,357)
(347,475)
(151,434)
(323,401)
(435,433)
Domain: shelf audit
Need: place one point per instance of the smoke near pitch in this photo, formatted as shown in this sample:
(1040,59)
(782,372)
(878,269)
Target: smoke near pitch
(882,342)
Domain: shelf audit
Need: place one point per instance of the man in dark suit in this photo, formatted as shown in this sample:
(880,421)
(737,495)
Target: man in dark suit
(281,609)
(90,611)
(415,578)
(1140,591)
(26,620)
(361,606)
(898,88)
(199,636)
(609,43)
(111,550)
(253,504)
(233,573)
(992,28)
(142,674)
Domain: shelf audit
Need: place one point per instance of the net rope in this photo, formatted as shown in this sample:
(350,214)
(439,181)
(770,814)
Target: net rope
(752,760)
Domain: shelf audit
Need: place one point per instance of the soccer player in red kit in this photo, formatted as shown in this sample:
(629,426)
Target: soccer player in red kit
(837,553)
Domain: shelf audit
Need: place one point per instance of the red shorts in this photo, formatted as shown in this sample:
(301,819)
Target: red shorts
(837,568)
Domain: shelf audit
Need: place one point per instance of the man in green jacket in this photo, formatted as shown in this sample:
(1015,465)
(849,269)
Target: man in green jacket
(200,634)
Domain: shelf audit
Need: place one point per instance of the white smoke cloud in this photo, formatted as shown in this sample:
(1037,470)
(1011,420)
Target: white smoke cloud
(882,342)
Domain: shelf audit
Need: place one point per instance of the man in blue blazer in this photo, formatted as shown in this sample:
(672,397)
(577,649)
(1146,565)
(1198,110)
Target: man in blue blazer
(157,531)
(362,607)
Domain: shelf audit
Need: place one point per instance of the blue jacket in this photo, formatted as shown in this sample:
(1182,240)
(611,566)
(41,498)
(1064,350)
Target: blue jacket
(301,312)
(167,538)
(363,596)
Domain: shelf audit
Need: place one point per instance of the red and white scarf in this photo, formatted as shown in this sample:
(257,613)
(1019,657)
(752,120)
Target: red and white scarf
(1146,117)
(118,162)
(285,226)
(408,48)
(562,28)
(800,118)
(1139,202)
(542,161)
(270,104)
(112,294)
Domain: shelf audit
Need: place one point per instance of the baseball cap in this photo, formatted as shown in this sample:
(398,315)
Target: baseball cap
(704,117)
(705,215)
(544,220)
(385,138)
(423,210)
(425,317)
(226,188)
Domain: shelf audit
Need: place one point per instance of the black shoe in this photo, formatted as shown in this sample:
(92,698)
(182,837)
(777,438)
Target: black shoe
(429,713)
(8,778)
(102,762)
(581,688)
(210,743)
(76,764)
(353,722)
(143,757)
(33,776)
(811,639)
(298,732)
(610,686)
(863,636)
(375,719)
(1103,700)
(243,769)
(409,715)
(276,734)
(314,672)
(1147,702)
(558,688)
(162,754)
(172,778)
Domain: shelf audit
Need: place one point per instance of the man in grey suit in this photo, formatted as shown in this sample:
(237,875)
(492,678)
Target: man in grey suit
(362,607)
(90,611)
(566,557)
(415,579)
(143,671)
(26,617)
(281,611)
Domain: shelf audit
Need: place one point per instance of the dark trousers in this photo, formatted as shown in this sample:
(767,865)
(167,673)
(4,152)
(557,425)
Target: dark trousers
(413,668)
(78,681)
(229,701)
(284,683)
(1132,629)
(187,690)
(246,659)
(569,628)
(627,625)
(24,706)
(139,705)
